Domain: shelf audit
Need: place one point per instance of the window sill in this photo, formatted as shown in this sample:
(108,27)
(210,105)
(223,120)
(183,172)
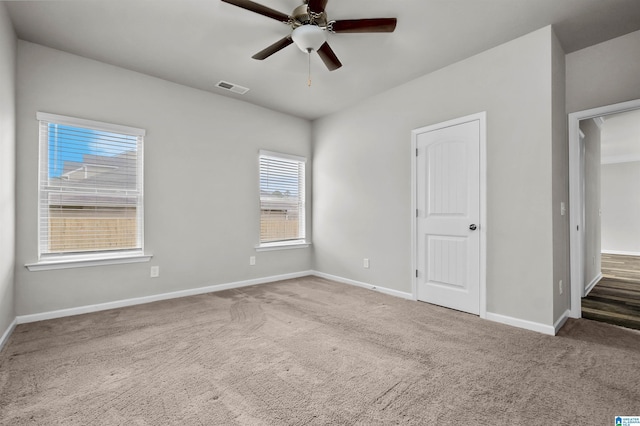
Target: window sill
(283,245)
(85,261)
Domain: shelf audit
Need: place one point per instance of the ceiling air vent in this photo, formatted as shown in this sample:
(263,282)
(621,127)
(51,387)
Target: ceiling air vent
(232,87)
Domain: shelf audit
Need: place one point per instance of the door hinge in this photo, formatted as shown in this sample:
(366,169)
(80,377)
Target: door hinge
(416,273)
(417,214)
(416,152)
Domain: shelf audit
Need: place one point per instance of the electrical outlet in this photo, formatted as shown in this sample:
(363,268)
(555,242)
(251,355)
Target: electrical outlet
(365,263)
(155,271)
(560,287)
(252,260)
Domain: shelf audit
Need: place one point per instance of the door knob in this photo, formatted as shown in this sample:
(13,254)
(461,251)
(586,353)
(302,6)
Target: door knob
(473,227)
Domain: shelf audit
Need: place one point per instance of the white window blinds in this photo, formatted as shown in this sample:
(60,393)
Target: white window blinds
(282,198)
(90,198)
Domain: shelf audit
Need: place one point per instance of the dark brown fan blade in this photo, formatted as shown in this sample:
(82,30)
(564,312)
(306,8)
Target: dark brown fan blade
(328,57)
(317,6)
(377,25)
(275,47)
(258,8)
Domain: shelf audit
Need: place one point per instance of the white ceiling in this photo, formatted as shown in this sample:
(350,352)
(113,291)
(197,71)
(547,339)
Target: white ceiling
(200,42)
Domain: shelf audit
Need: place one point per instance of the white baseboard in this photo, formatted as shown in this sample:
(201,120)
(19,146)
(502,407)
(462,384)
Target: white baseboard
(621,252)
(23,319)
(520,323)
(514,322)
(563,318)
(7,333)
(592,284)
(384,290)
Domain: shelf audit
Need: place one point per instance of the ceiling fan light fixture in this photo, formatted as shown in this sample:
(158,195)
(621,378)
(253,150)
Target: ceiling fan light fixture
(309,25)
(309,37)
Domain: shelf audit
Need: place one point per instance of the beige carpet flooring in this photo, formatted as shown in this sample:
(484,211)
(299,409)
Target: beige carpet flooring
(312,351)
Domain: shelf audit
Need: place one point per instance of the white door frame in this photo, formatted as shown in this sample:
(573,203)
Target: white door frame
(576,201)
(482,224)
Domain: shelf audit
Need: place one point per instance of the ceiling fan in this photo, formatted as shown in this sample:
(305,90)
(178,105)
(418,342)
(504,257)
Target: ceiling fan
(309,24)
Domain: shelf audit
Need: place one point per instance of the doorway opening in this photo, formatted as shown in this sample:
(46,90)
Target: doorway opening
(604,155)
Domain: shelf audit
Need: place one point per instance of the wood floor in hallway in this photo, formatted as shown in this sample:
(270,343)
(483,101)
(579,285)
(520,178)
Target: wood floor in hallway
(616,298)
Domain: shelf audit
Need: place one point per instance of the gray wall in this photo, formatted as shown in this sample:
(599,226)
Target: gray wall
(201,175)
(7,169)
(621,207)
(560,184)
(362,177)
(361,172)
(604,74)
(592,224)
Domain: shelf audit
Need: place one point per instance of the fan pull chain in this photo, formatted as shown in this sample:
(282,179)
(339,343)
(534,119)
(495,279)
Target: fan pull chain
(309,55)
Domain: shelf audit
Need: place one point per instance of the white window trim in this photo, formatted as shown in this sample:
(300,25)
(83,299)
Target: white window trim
(279,156)
(82,261)
(290,244)
(81,122)
(283,245)
(51,262)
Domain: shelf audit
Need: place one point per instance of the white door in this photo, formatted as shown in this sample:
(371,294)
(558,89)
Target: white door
(448,216)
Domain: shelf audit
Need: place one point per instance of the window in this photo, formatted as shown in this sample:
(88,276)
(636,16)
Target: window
(90,195)
(282,200)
